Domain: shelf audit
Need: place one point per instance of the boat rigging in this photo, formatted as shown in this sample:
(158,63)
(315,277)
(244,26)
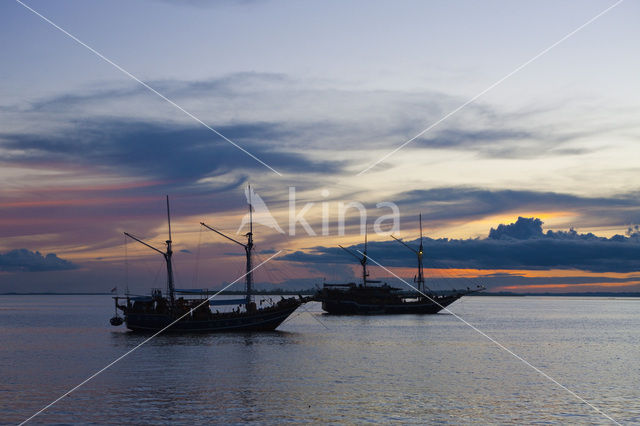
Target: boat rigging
(350,299)
(363,261)
(171,291)
(156,312)
(420,278)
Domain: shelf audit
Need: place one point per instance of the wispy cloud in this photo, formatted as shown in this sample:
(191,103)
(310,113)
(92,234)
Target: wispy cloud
(311,116)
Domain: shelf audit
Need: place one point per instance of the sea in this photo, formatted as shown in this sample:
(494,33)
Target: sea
(526,360)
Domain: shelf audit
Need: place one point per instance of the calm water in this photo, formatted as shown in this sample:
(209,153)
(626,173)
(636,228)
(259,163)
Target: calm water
(404,369)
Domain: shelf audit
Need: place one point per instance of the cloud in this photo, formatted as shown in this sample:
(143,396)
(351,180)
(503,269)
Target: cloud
(23,260)
(516,280)
(327,113)
(162,151)
(209,3)
(511,282)
(513,246)
(511,142)
(461,203)
(522,229)
(134,101)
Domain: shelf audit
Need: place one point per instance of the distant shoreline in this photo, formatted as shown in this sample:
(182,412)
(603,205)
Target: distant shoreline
(546,294)
(211,292)
(311,291)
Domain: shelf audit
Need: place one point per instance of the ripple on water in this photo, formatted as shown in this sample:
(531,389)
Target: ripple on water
(403,369)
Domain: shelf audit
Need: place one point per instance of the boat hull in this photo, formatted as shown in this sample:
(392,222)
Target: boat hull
(260,320)
(355,307)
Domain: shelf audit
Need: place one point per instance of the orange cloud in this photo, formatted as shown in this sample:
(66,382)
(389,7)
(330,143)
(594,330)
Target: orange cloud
(556,286)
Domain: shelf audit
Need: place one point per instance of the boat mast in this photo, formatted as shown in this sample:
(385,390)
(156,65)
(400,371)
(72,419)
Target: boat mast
(362,260)
(167,257)
(170,286)
(420,268)
(419,252)
(248,248)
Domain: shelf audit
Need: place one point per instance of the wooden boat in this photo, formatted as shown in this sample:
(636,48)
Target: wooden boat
(159,312)
(371,298)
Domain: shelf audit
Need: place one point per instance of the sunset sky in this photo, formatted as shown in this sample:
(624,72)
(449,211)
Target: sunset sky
(319,92)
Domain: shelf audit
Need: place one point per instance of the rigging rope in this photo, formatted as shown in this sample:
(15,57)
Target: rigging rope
(175,275)
(160,267)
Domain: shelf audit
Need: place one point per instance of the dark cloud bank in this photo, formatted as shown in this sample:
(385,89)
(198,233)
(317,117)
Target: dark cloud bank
(467,203)
(157,150)
(519,245)
(481,133)
(23,260)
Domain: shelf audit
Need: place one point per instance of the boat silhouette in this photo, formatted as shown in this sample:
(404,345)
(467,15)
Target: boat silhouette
(158,312)
(371,299)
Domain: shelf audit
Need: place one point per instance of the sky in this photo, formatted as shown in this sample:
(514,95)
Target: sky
(531,186)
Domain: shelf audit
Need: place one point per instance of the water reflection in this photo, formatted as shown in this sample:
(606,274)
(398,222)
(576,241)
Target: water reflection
(406,369)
